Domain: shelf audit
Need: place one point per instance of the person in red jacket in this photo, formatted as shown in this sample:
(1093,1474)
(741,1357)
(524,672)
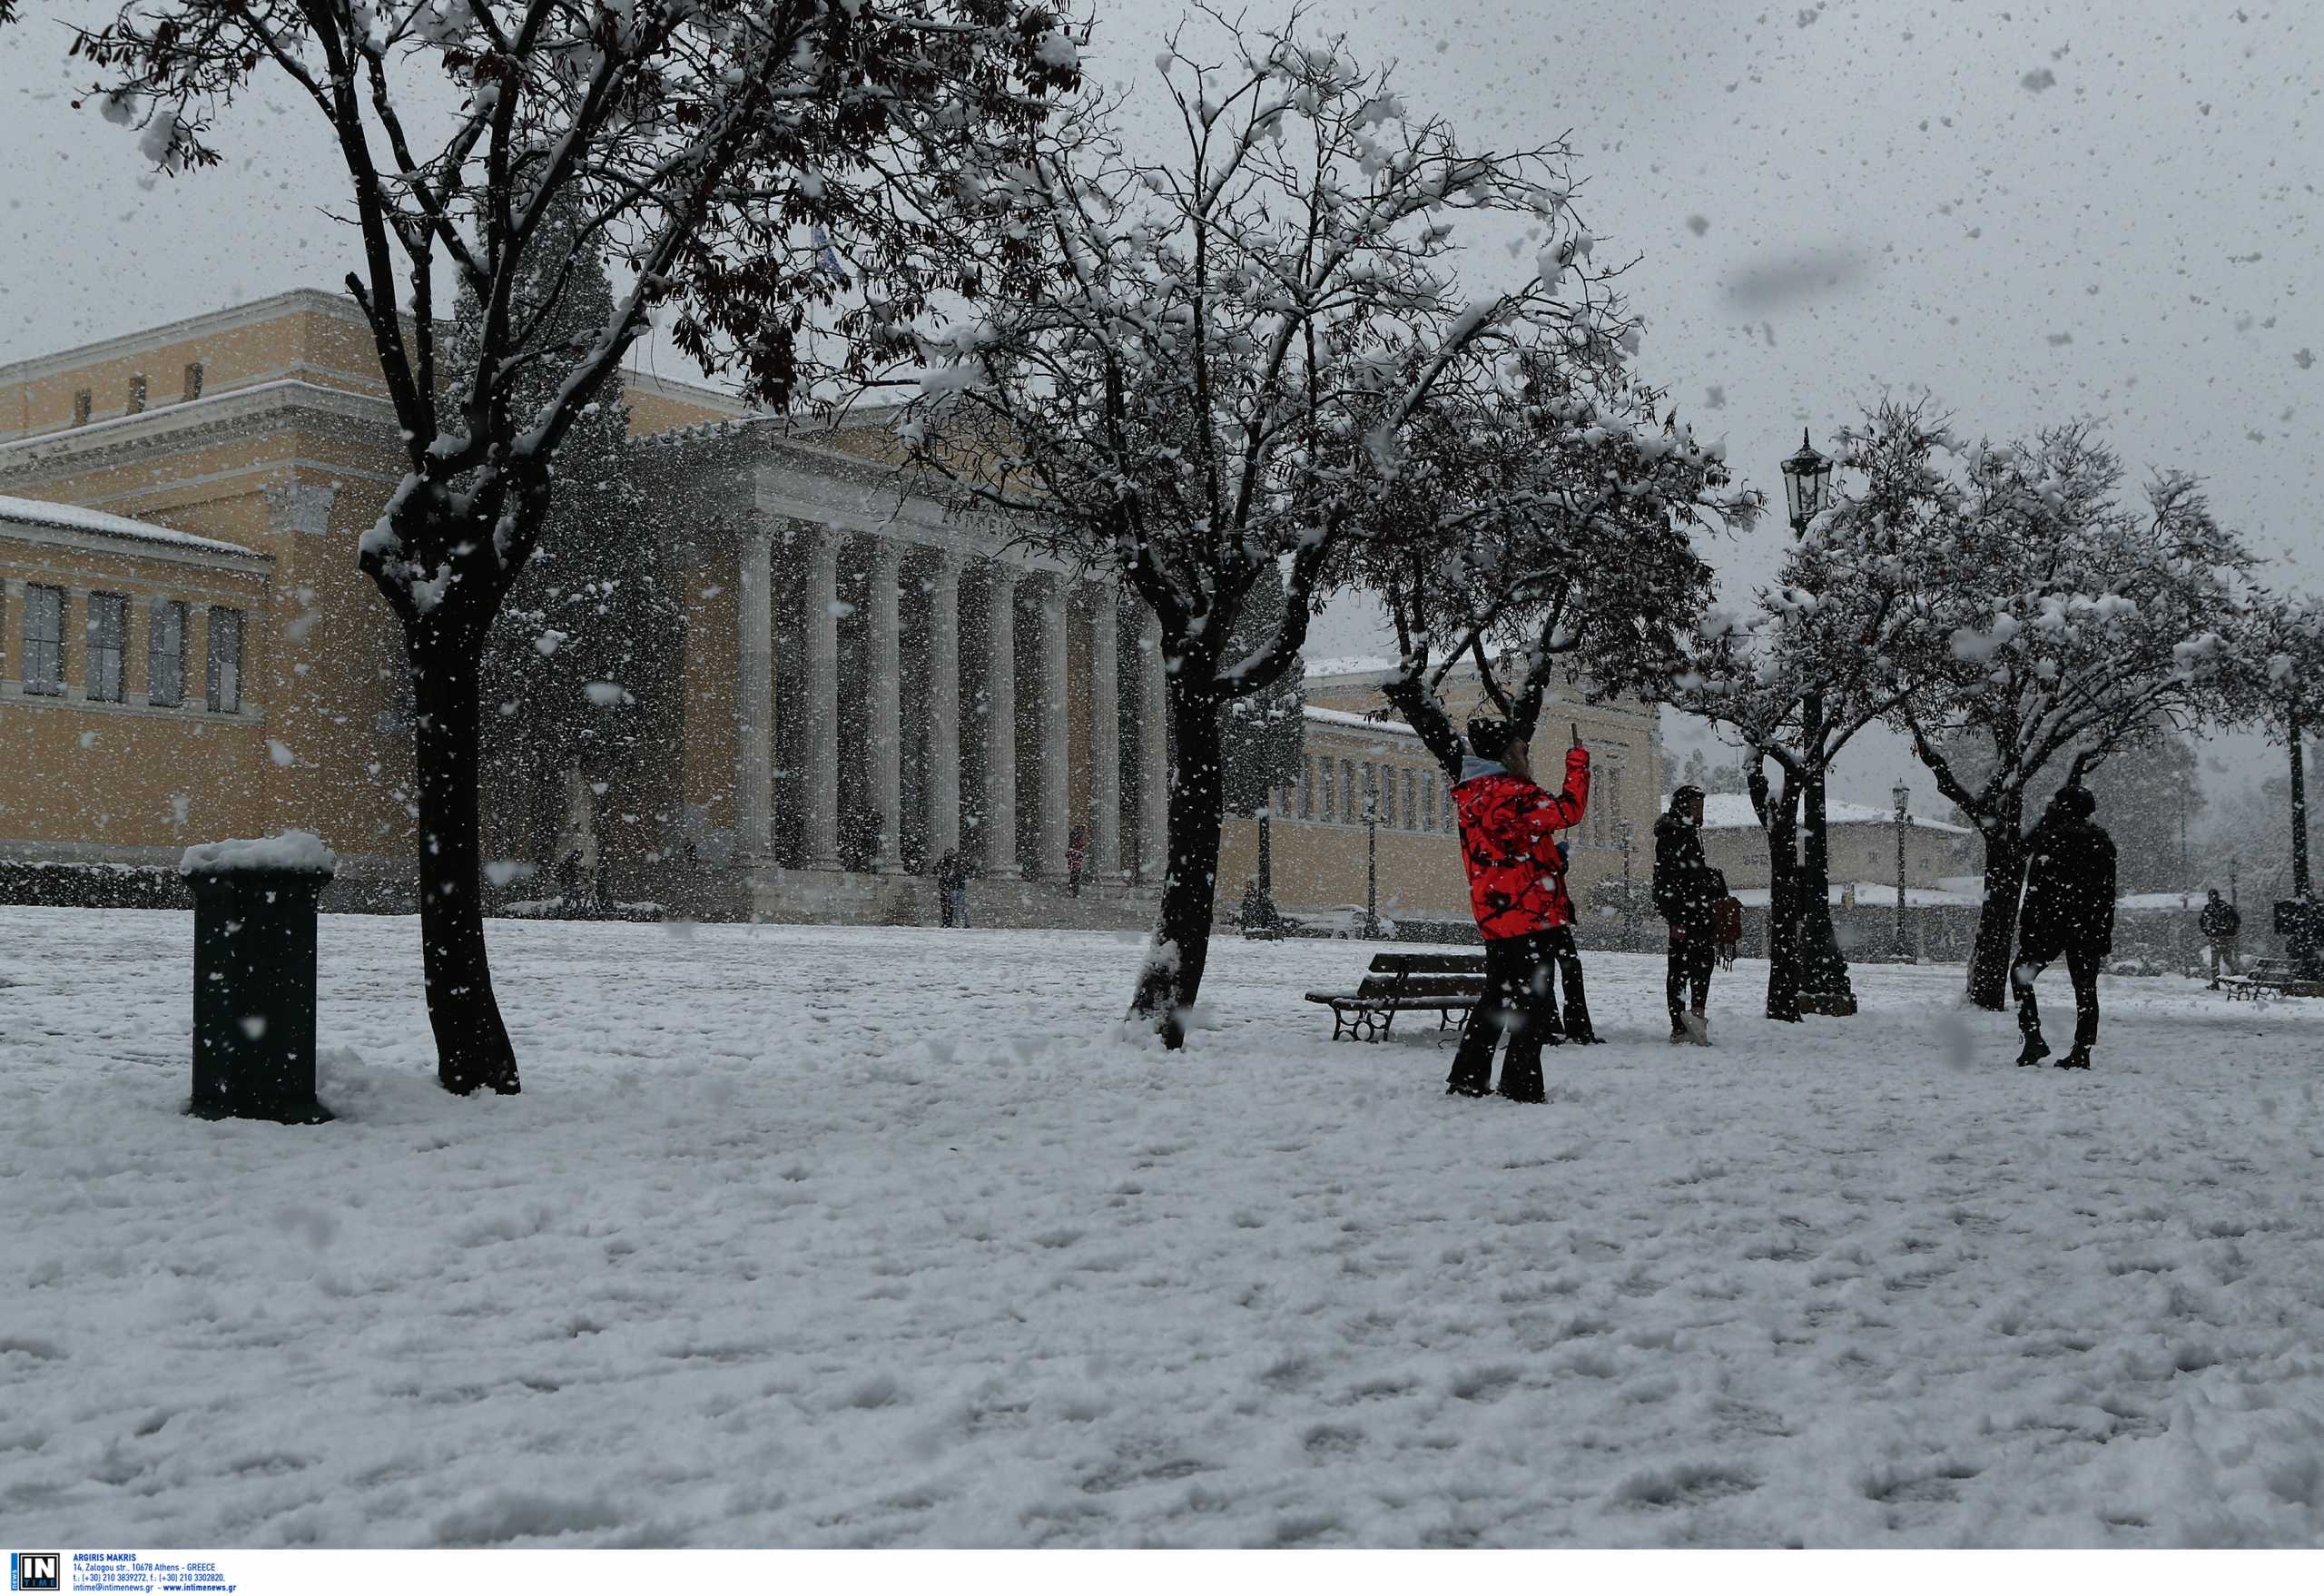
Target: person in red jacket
(1508,828)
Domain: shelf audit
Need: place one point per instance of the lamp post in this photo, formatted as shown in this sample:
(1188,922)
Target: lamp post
(1824,986)
(1622,830)
(1268,918)
(1371,853)
(1903,797)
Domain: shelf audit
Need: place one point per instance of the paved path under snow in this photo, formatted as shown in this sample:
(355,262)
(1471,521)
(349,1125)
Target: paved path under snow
(837,1237)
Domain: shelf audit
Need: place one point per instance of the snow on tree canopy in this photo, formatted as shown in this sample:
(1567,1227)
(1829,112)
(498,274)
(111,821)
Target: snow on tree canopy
(291,851)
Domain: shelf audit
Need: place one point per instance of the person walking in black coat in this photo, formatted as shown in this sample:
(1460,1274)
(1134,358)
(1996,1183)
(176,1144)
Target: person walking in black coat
(1686,886)
(2221,925)
(2069,910)
(952,873)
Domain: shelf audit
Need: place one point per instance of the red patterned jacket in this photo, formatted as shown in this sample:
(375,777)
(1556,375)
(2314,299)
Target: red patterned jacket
(1509,830)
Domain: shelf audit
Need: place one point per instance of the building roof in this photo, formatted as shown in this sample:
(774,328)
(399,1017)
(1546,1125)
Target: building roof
(1875,895)
(69,517)
(1364,723)
(1732,812)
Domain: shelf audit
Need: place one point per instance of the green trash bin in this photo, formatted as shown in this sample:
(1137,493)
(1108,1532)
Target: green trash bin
(254,976)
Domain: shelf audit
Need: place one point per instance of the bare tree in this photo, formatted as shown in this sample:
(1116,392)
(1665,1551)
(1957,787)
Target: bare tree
(1541,525)
(1206,343)
(2279,684)
(2055,625)
(759,167)
(1815,662)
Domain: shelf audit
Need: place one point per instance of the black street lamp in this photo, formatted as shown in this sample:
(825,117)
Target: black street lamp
(1622,830)
(1903,797)
(1268,919)
(1824,986)
(1371,854)
(1807,484)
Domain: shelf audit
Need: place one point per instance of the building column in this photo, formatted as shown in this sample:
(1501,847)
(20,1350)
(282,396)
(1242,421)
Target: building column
(818,626)
(944,706)
(1056,750)
(997,839)
(884,687)
(1105,738)
(1152,756)
(754,694)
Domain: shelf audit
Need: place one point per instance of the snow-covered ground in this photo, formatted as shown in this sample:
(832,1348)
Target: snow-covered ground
(820,1236)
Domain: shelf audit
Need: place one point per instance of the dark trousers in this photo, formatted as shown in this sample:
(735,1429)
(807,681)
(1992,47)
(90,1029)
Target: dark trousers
(2081,969)
(1518,1003)
(1567,953)
(1692,957)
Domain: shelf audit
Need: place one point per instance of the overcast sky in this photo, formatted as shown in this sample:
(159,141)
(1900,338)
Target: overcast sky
(2031,211)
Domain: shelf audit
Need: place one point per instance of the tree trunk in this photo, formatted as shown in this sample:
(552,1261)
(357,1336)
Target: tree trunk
(1823,968)
(472,1047)
(1172,978)
(1997,919)
(1782,909)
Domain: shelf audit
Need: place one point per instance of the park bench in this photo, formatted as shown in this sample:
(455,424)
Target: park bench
(2270,975)
(1450,983)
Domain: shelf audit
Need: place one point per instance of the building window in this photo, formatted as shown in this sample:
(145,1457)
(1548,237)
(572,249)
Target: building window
(1388,796)
(136,393)
(1427,814)
(1349,811)
(1331,788)
(45,640)
(1447,824)
(193,380)
(226,661)
(165,654)
(1412,793)
(107,627)
(81,408)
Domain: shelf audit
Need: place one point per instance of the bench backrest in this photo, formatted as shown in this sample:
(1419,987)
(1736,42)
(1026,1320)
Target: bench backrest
(1428,964)
(1422,985)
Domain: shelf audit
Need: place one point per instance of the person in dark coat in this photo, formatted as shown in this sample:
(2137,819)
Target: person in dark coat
(2221,925)
(1685,887)
(952,875)
(1517,893)
(2069,910)
(1575,1023)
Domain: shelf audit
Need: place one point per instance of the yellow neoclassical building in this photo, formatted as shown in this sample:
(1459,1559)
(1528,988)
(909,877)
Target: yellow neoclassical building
(188,651)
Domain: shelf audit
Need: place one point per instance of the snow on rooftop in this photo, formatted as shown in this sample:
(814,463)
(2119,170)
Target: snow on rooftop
(72,517)
(1875,895)
(1731,811)
(1344,717)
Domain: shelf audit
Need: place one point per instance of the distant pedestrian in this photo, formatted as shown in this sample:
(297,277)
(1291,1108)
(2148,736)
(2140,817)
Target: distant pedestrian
(1517,893)
(1076,858)
(2221,925)
(1686,891)
(2069,910)
(952,873)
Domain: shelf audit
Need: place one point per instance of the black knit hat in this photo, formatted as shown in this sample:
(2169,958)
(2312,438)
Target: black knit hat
(2079,802)
(1492,739)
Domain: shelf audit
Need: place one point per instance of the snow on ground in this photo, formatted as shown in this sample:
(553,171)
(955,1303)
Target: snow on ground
(834,1237)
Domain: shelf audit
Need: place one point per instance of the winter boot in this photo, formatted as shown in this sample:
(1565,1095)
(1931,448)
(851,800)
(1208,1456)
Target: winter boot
(2036,1049)
(1697,1028)
(1678,1037)
(2079,1058)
